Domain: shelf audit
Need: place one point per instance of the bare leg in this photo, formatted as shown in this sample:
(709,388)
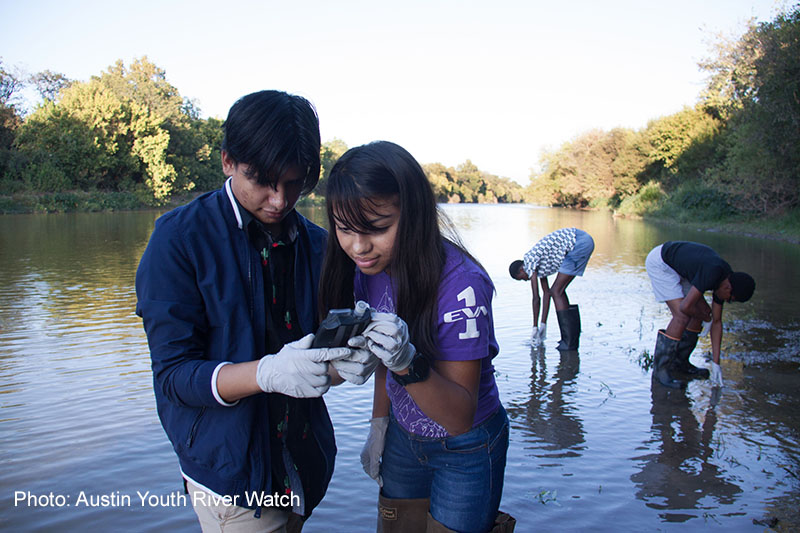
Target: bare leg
(695,324)
(559,291)
(679,320)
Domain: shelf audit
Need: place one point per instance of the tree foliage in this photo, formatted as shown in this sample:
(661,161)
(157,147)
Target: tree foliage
(466,183)
(738,149)
(10,85)
(129,130)
(764,145)
(49,84)
(126,130)
(329,153)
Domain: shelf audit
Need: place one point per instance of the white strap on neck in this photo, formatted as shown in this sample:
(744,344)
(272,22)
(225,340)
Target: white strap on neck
(233,202)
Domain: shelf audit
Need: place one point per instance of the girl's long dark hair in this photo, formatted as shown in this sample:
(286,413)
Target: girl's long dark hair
(379,170)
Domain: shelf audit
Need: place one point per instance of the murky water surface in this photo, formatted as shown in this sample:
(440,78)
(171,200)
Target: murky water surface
(593,446)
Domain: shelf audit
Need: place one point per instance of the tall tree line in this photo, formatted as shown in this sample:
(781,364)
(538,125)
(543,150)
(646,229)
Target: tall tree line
(130,130)
(737,151)
(127,129)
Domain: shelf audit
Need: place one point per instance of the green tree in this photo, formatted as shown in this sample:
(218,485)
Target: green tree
(754,84)
(329,154)
(681,146)
(443,181)
(580,172)
(49,84)
(127,129)
(470,182)
(10,85)
(731,71)
(629,165)
(60,151)
(467,183)
(10,119)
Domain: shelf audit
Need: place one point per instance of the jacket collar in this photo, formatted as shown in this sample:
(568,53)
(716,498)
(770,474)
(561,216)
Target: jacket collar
(234,203)
(243,217)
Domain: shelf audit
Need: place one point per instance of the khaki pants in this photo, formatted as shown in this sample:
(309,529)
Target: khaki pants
(215,518)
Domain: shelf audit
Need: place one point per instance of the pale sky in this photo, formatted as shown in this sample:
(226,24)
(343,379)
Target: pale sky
(495,82)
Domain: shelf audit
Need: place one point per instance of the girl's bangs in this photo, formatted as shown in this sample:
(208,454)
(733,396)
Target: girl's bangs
(353,213)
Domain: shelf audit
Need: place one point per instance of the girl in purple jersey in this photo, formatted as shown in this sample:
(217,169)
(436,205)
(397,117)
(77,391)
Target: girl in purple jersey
(438,434)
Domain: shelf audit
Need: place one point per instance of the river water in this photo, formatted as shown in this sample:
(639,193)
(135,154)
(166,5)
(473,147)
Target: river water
(593,445)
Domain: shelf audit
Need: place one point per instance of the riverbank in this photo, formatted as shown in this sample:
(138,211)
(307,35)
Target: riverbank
(783,228)
(97,201)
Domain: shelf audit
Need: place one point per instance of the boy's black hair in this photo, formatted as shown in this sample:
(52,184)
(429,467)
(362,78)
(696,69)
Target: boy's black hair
(514,267)
(742,286)
(273,132)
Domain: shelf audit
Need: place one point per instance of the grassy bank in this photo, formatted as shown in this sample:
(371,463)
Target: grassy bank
(73,201)
(83,202)
(783,228)
(704,207)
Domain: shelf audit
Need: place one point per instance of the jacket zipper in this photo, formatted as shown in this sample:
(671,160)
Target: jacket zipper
(250,278)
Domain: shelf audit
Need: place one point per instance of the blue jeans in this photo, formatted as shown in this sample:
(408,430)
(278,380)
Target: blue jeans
(462,475)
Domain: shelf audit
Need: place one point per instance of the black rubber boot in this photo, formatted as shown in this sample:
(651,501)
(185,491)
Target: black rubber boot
(685,348)
(664,360)
(569,322)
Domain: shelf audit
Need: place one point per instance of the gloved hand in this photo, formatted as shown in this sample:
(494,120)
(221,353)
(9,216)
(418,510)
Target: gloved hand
(535,339)
(716,375)
(387,338)
(359,366)
(373,449)
(542,331)
(298,370)
(706,329)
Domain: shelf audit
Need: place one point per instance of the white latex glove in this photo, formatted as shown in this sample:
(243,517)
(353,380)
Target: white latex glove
(387,338)
(373,449)
(359,366)
(706,329)
(535,339)
(542,331)
(298,370)
(716,375)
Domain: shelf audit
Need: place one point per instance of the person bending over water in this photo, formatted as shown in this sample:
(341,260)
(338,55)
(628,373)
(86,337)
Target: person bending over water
(564,252)
(680,272)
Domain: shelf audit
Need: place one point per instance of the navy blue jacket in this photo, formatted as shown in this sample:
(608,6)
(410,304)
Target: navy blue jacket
(200,293)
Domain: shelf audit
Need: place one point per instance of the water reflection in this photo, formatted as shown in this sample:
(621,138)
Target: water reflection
(77,410)
(681,476)
(549,416)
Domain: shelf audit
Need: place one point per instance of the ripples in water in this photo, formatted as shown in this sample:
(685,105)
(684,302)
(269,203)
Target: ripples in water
(593,445)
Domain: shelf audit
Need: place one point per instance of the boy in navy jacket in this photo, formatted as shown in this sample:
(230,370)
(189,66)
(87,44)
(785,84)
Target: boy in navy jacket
(227,292)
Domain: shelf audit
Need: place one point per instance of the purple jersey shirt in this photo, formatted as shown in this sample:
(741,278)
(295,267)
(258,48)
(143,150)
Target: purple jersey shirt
(466,332)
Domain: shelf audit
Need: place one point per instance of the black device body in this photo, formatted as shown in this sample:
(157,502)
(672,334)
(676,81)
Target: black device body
(339,326)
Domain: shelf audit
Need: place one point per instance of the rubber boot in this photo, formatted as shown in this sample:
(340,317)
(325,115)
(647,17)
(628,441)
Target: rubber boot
(664,360)
(295,523)
(434,526)
(401,515)
(685,348)
(569,322)
(504,523)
